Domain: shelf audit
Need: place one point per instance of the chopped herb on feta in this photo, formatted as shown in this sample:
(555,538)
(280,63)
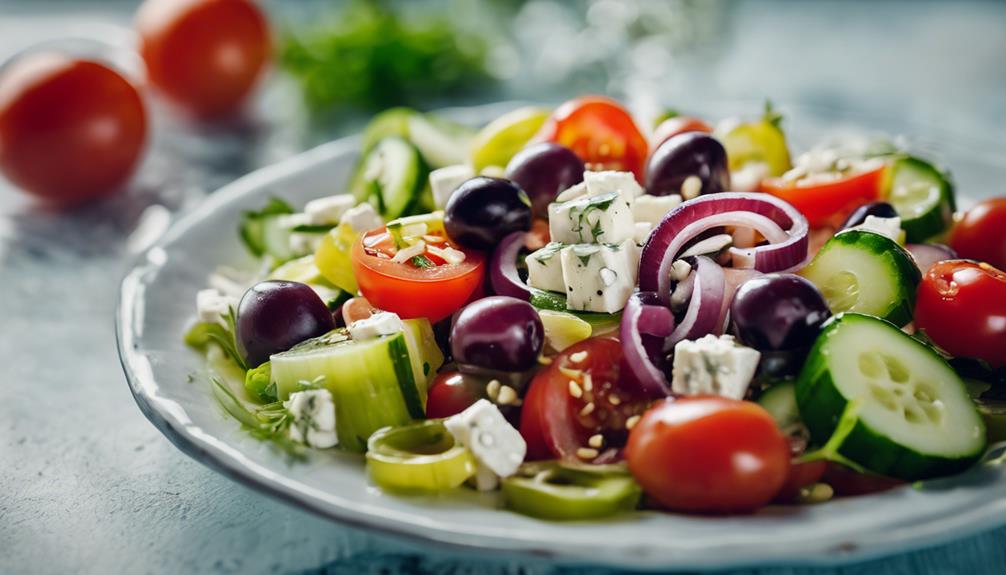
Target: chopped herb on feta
(212,306)
(312,418)
(713,365)
(605,218)
(544,268)
(599,277)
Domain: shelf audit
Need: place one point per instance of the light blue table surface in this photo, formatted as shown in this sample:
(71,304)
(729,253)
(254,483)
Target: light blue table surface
(88,485)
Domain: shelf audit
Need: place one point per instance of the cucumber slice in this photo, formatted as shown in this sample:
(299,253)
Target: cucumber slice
(502,138)
(440,141)
(923,197)
(865,272)
(371,381)
(276,239)
(600,323)
(251,226)
(391,176)
(780,401)
(904,412)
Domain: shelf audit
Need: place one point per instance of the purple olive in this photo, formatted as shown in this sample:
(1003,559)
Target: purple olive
(688,154)
(543,171)
(274,316)
(876,209)
(498,332)
(778,312)
(483,211)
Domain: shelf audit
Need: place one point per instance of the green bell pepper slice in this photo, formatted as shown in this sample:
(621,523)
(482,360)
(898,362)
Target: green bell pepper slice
(418,457)
(553,491)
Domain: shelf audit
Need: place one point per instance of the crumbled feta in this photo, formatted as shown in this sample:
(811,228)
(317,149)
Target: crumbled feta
(443,181)
(713,365)
(498,448)
(599,277)
(447,253)
(573,192)
(381,323)
(642,232)
(328,210)
(362,218)
(624,183)
(748,177)
(711,245)
(407,253)
(887,227)
(313,418)
(652,209)
(212,306)
(544,268)
(606,218)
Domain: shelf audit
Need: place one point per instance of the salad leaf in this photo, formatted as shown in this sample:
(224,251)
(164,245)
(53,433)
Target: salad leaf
(259,385)
(250,227)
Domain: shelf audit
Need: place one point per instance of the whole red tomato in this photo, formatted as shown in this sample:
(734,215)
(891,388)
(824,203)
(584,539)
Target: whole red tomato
(961,306)
(204,55)
(981,234)
(709,454)
(601,132)
(70,129)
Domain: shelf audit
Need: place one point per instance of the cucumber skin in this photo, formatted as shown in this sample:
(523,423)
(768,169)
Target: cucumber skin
(932,223)
(551,301)
(364,191)
(821,405)
(900,313)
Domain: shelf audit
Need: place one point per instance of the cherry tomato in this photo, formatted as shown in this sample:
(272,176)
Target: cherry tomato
(828,202)
(981,234)
(575,398)
(409,290)
(677,125)
(847,482)
(961,305)
(601,132)
(204,55)
(453,392)
(709,454)
(70,129)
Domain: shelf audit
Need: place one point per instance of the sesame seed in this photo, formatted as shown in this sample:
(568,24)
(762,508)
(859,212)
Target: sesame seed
(588,382)
(691,187)
(574,389)
(596,441)
(587,409)
(545,360)
(614,399)
(586,453)
(578,356)
(570,373)
(631,422)
(507,395)
(493,389)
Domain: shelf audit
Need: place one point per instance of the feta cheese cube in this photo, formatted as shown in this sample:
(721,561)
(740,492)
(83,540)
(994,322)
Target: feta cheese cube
(606,218)
(328,210)
(443,181)
(713,365)
(573,192)
(381,323)
(362,218)
(887,227)
(498,448)
(599,277)
(606,182)
(313,418)
(544,268)
(652,209)
(212,306)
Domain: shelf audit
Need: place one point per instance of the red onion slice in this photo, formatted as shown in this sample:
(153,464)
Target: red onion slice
(926,255)
(781,224)
(645,324)
(503,268)
(706,306)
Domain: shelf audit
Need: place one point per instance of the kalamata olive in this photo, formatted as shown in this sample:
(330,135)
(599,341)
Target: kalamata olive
(876,209)
(274,316)
(498,332)
(683,156)
(778,312)
(483,210)
(543,171)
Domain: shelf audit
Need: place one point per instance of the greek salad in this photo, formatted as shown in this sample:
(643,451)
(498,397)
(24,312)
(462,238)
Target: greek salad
(592,316)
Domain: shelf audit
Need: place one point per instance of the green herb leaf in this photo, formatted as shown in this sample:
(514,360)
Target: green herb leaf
(422,262)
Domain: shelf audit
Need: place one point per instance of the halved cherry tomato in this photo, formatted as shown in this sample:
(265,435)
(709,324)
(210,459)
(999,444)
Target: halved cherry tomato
(411,290)
(709,454)
(601,132)
(70,130)
(981,234)
(204,55)
(575,398)
(677,125)
(453,392)
(827,202)
(961,306)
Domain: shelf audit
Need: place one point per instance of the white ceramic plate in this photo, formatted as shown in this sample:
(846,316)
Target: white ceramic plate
(157,305)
